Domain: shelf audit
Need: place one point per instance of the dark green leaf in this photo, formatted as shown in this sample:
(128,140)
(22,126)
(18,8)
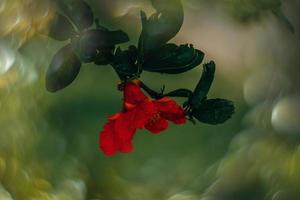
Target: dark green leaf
(214,111)
(162,26)
(93,43)
(125,63)
(104,57)
(63,69)
(118,37)
(81,14)
(203,85)
(60,28)
(173,59)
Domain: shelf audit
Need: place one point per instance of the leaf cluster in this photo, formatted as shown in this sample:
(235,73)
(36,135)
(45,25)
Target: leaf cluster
(154,53)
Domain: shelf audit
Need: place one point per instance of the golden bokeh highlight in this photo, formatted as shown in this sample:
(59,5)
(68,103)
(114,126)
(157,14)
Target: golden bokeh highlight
(23,19)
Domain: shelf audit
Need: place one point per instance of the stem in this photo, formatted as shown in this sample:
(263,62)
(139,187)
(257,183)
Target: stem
(175,93)
(180,93)
(152,93)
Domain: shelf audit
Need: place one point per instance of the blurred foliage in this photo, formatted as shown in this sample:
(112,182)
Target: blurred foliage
(244,10)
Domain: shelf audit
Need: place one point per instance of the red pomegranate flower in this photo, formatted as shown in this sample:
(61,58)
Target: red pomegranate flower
(139,111)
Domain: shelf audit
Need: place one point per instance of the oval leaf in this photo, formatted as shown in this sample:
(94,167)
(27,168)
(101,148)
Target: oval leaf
(94,42)
(162,26)
(203,85)
(104,57)
(81,14)
(63,69)
(173,59)
(60,28)
(214,111)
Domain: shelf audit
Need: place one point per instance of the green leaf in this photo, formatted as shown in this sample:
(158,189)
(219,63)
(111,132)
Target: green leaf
(104,57)
(161,26)
(118,37)
(60,28)
(172,59)
(94,42)
(125,62)
(63,69)
(214,111)
(203,85)
(80,13)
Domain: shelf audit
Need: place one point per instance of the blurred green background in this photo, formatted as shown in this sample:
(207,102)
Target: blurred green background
(49,142)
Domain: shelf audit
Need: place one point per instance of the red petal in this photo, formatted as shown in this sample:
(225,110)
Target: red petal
(138,107)
(117,135)
(157,126)
(170,110)
(133,94)
(140,114)
(107,139)
(127,147)
(124,129)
